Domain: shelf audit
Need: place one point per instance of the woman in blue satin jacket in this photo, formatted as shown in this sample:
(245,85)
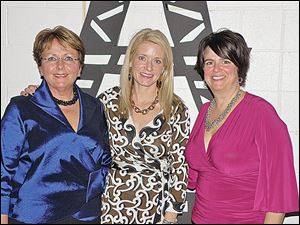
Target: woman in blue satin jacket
(55,153)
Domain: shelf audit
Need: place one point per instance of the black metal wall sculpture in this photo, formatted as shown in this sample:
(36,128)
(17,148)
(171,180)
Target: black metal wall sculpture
(188,23)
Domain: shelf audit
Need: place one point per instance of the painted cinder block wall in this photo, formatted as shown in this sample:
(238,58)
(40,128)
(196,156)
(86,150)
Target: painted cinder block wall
(270,28)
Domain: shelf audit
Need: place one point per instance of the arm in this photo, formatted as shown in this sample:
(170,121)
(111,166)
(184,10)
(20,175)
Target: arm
(178,178)
(276,186)
(171,217)
(4,219)
(106,159)
(274,218)
(12,141)
(192,179)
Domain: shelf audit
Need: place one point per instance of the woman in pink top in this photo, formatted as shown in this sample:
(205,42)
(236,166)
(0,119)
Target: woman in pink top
(239,153)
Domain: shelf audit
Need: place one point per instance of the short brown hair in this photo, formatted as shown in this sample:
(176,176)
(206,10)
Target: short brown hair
(228,45)
(64,36)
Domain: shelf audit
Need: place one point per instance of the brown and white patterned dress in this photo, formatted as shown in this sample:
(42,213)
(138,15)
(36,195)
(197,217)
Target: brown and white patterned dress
(149,171)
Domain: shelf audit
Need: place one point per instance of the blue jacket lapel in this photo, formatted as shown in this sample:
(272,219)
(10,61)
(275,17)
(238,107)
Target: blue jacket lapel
(43,99)
(89,107)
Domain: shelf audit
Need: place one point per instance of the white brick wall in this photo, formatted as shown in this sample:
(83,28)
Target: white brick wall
(270,28)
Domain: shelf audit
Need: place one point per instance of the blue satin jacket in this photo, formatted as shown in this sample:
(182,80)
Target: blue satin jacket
(48,171)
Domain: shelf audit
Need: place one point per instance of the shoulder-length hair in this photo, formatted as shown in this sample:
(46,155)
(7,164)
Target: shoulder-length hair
(166,95)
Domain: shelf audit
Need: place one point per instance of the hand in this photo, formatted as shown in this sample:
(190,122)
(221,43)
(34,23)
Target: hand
(4,219)
(29,90)
(170,218)
(274,218)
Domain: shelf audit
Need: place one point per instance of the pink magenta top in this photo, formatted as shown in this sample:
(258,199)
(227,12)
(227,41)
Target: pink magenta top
(248,168)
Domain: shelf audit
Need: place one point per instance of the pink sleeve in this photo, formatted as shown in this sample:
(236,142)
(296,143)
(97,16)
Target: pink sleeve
(192,149)
(192,179)
(276,187)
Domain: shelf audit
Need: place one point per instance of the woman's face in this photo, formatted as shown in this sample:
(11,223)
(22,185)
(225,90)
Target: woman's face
(219,74)
(147,64)
(62,67)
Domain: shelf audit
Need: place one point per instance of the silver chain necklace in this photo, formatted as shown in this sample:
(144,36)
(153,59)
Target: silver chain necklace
(220,118)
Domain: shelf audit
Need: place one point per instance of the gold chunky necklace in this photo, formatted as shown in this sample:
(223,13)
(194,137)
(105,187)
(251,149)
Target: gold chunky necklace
(217,121)
(144,111)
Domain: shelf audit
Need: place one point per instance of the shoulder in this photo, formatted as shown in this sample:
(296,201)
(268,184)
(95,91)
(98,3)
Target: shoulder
(88,97)
(258,103)
(17,104)
(179,109)
(89,100)
(109,94)
(204,107)
(178,104)
(262,110)
(20,101)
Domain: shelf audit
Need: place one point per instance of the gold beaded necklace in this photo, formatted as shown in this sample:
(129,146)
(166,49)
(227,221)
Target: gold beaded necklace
(144,111)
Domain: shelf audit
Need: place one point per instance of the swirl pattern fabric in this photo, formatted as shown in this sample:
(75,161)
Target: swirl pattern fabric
(149,172)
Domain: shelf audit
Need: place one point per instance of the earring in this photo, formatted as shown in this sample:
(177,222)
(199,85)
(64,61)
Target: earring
(129,77)
(240,80)
(158,83)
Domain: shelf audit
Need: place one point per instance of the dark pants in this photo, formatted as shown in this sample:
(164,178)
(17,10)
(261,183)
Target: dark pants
(67,220)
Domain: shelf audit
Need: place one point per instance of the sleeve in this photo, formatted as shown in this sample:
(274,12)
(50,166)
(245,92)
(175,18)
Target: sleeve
(106,159)
(12,141)
(276,187)
(106,98)
(192,149)
(192,179)
(98,178)
(101,98)
(178,179)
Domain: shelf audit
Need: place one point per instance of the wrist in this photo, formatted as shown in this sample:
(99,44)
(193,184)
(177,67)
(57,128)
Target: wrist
(165,221)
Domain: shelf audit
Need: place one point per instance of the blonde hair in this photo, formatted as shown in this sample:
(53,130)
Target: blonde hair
(65,37)
(166,95)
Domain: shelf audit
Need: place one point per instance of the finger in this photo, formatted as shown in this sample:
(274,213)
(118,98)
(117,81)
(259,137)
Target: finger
(33,87)
(23,93)
(29,91)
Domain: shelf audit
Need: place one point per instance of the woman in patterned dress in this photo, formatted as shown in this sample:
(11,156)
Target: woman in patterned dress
(149,127)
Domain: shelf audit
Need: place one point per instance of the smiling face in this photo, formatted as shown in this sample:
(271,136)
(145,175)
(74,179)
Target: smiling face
(147,64)
(221,75)
(62,73)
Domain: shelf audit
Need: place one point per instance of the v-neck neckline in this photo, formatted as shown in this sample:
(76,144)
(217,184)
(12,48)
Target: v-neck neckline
(149,124)
(207,150)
